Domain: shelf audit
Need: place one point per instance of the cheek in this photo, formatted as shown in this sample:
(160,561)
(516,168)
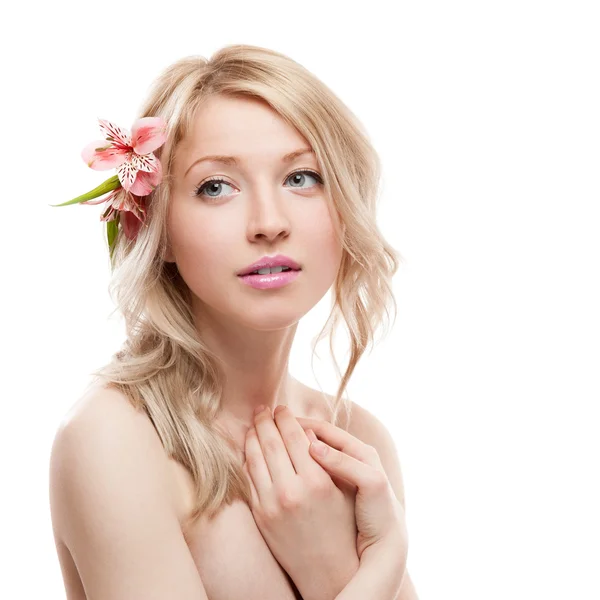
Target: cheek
(320,241)
(202,252)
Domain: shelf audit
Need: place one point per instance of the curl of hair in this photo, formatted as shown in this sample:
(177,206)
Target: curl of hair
(163,367)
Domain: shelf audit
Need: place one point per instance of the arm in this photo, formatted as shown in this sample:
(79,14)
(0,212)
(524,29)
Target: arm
(377,577)
(372,431)
(110,501)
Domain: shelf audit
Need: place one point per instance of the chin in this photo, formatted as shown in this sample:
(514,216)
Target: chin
(269,321)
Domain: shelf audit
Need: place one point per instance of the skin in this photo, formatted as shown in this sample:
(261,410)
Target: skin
(297,505)
(260,210)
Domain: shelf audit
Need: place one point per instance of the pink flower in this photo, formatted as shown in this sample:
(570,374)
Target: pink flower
(131,209)
(139,171)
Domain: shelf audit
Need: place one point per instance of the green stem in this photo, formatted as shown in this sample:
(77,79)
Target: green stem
(110,184)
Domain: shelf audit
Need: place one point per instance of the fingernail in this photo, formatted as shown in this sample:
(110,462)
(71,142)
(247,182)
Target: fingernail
(311,435)
(259,408)
(319,448)
(278,409)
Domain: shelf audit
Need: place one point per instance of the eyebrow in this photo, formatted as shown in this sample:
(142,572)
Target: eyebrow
(235,161)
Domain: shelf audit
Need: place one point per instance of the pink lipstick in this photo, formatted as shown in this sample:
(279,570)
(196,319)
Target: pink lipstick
(272,280)
(270,272)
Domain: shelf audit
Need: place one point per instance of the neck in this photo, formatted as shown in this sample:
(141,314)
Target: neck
(254,364)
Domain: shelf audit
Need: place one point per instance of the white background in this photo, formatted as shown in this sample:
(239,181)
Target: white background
(486,117)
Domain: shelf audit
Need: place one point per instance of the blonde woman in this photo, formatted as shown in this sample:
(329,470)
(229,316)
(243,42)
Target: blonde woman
(166,478)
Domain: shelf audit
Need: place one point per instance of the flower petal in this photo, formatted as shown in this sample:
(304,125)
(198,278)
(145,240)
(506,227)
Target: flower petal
(132,215)
(145,162)
(109,214)
(141,186)
(156,176)
(146,182)
(131,225)
(95,201)
(109,200)
(136,205)
(127,172)
(148,134)
(119,136)
(102,155)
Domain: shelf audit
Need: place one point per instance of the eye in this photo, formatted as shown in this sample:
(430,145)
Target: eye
(300,175)
(212,183)
(217,182)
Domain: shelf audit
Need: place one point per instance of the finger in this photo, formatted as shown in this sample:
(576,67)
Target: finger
(273,449)
(296,442)
(342,484)
(358,473)
(343,441)
(256,465)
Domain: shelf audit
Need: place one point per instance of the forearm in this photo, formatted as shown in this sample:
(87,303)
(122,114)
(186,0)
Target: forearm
(329,580)
(379,576)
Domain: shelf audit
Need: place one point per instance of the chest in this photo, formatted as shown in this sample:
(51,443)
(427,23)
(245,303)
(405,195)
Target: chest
(233,559)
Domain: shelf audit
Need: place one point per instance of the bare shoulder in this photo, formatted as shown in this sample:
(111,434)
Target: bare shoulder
(111,502)
(368,428)
(104,419)
(105,416)
(361,422)
(97,401)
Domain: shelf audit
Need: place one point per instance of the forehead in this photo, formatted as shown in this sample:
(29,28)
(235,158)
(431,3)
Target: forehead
(242,127)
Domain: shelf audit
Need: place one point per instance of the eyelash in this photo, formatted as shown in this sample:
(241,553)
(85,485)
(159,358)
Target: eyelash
(198,191)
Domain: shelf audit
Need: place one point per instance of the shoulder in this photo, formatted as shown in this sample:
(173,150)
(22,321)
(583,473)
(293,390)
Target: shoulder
(365,426)
(111,502)
(106,418)
(99,401)
(103,430)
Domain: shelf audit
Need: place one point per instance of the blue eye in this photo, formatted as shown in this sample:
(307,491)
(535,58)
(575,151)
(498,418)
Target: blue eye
(216,182)
(301,174)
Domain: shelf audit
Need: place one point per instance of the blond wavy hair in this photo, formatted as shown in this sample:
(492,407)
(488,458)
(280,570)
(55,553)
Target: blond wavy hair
(164,368)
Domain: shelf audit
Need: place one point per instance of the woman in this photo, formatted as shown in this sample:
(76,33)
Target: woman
(163,484)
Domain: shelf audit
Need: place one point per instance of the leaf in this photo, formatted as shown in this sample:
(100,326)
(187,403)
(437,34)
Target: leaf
(108,186)
(112,228)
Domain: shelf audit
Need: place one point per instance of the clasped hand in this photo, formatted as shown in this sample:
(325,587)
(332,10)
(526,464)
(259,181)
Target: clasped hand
(306,518)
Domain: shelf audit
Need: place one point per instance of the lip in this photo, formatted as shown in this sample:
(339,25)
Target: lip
(274,280)
(270,261)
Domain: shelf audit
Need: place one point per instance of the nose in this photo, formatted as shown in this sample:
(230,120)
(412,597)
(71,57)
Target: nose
(268,220)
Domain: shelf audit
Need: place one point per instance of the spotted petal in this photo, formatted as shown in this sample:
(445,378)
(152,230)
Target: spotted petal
(119,136)
(146,162)
(110,214)
(102,155)
(135,205)
(127,172)
(145,182)
(148,134)
(111,204)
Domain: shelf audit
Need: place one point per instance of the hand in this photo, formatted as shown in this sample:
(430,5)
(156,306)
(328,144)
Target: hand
(380,518)
(306,520)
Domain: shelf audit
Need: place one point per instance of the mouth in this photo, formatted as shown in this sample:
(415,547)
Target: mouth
(269,271)
(275,277)
(269,265)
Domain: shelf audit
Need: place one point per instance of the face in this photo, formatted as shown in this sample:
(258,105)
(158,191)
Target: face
(262,205)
